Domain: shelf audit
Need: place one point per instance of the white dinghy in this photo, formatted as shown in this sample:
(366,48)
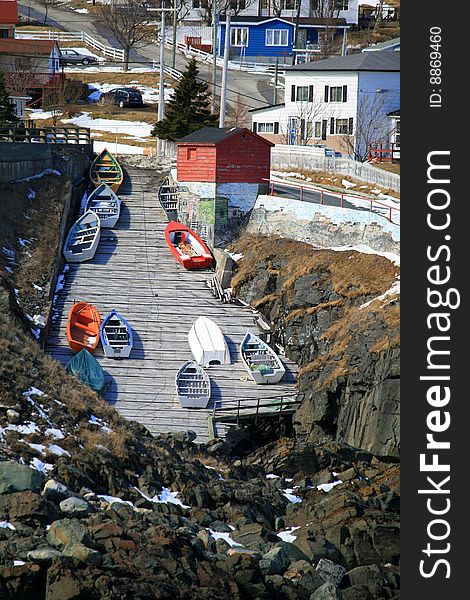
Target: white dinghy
(207,343)
(83,238)
(116,336)
(261,362)
(193,386)
(106,204)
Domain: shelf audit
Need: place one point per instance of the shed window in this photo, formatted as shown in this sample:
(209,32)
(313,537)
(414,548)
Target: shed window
(191,153)
(239,36)
(277,37)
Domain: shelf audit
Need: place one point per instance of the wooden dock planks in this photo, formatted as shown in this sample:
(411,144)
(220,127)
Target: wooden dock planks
(134,272)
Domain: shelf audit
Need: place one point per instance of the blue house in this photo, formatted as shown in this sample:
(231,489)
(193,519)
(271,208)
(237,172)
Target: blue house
(263,39)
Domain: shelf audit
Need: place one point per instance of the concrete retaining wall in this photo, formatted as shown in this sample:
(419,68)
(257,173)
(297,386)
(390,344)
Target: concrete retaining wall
(323,226)
(295,158)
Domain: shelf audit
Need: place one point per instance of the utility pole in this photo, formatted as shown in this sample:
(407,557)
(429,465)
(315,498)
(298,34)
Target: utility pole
(345,36)
(161,98)
(296,32)
(276,76)
(214,54)
(175,18)
(223,96)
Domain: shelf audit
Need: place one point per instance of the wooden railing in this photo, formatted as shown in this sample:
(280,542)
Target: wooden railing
(392,213)
(235,410)
(46,135)
(384,152)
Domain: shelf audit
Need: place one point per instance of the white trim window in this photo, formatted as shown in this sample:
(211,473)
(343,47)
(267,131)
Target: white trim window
(265,127)
(277,37)
(317,133)
(239,36)
(336,94)
(342,126)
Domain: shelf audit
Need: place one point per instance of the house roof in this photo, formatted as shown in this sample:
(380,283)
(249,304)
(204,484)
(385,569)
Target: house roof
(213,135)
(389,44)
(395,113)
(8,12)
(20,47)
(267,107)
(363,61)
(303,21)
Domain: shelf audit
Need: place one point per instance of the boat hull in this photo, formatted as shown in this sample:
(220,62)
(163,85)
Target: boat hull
(104,202)
(187,247)
(207,343)
(106,169)
(116,336)
(262,363)
(192,386)
(83,238)
(83,327)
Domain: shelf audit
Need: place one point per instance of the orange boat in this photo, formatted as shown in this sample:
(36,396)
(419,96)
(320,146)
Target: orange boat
(83,327)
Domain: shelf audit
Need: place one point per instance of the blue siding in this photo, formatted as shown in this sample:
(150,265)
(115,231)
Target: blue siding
(257,40)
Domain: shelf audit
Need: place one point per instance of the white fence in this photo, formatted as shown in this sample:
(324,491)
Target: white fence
(308,159)
(73,36)
(235,65)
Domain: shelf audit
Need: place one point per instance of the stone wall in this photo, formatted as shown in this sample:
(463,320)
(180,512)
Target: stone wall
(322,225)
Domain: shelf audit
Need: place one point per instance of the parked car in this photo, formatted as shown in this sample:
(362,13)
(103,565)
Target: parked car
(68,56)
(123,97)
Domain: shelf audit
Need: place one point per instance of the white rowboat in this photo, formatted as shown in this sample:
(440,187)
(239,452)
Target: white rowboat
(83,238)
(116,336)
(193,386)
(207,343)
(106,204)
(261,362)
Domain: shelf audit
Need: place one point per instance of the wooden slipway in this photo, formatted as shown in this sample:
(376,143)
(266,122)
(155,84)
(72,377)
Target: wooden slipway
(134,272)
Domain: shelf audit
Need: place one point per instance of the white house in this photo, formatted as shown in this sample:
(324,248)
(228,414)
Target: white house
(341,102)
(341,9)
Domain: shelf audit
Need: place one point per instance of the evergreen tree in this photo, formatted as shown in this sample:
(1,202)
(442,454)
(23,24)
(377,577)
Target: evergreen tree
(7,111)
(188,109)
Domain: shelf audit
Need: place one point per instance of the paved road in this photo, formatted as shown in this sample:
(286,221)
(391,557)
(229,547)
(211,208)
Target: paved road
(255,87)
(314,196)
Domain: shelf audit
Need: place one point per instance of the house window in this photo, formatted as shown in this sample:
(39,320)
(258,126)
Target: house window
(237,5)
(336,94)
(239,36)
(3,33)
(191,154)
(196,3)
(302,93)
(289,4)
(342,4)
(277,37)
(265,127)
(318,129)
(342,126)
(397,132)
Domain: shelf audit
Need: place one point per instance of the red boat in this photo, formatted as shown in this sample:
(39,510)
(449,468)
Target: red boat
(187,247)
(83,327)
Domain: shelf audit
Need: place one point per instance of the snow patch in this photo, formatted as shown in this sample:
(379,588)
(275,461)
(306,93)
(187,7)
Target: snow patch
(287,493)
(326,487)
(286,535)
(55,433)
(219,535)
(39,175)
(41,466)
(7,525)
(57,450)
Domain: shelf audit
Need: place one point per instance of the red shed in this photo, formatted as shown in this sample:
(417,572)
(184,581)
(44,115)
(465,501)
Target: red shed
(227,155)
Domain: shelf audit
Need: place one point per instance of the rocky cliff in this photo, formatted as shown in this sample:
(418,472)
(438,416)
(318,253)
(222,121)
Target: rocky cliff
(337,315)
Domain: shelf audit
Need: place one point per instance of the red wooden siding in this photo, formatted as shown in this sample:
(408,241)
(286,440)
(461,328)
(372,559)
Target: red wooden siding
(196,163)
(241,158)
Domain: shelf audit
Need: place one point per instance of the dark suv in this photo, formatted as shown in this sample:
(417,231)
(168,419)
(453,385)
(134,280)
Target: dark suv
(122,97)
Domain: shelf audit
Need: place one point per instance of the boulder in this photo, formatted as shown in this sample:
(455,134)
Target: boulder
(75,507)
(330,572)
(274,562)
(328,591)
(66,532)
(27,507)
(55,491)
(83,553)
(15,477)
(43,555)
